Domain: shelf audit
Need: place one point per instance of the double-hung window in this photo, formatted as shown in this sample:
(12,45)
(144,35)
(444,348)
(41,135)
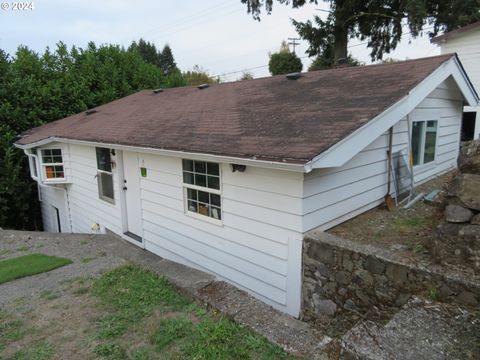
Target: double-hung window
(201,181)
(105,175)
(424,141)
(52,164)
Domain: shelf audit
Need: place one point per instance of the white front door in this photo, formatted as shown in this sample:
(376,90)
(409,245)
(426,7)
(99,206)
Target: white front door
(131,187)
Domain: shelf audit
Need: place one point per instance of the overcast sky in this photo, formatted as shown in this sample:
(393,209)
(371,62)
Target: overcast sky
(218,35)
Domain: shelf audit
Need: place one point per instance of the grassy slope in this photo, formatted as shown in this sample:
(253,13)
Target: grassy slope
(27,265)
(179,330)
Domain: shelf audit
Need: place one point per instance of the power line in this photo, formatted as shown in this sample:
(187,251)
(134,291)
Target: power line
(302,57)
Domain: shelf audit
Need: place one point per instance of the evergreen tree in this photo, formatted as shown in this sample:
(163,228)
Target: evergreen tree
(167,62)
(379,22)
(148,51)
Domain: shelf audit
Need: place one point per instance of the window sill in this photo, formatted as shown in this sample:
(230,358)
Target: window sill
(205,218)
(56,181)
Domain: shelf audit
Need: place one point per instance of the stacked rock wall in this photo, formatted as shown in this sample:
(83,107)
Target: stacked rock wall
(342,275)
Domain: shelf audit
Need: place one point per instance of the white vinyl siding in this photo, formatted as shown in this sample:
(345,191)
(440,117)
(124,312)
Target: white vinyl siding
(85,206)
(332,196)
(261,212)
(467,46)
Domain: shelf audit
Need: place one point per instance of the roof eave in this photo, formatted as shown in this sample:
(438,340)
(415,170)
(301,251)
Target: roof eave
(347,148)
(300,167)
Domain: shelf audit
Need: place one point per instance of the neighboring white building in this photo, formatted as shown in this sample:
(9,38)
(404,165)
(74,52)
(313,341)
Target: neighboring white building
(465,42)
(229,178)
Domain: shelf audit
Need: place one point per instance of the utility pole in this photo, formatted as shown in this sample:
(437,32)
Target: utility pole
(293,41)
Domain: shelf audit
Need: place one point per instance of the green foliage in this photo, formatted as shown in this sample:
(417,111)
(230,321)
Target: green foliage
(322,63)
(246,76)
(378,22)
(27,265)
(198,76)
(39,88)
(284,61)
(149,53)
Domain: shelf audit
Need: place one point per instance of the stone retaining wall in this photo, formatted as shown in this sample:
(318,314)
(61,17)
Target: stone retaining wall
(339,274)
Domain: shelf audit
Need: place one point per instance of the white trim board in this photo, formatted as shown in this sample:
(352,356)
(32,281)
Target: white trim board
(347,148)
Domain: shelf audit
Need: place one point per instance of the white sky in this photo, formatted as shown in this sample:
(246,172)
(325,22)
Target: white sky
(218,35)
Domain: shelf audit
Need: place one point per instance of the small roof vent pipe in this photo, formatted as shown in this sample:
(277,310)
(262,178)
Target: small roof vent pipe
(293,76)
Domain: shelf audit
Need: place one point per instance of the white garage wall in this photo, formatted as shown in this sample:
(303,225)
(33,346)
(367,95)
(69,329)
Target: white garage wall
(332,196)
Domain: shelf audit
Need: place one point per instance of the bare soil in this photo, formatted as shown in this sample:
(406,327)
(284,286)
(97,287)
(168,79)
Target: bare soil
(407,232)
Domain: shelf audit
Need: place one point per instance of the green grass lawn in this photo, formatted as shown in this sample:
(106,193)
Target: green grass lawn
(27,265)
(126,314)
(147,318)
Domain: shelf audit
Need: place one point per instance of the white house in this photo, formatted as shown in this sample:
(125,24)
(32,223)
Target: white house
(229,178)
(465,42)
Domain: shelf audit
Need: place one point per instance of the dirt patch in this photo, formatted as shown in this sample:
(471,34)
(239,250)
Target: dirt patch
(61,319)
(408,232)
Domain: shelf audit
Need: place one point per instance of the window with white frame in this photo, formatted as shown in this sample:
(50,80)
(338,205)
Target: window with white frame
(105,175)
(33,164)
(424,141)
(201,181)
(52,164)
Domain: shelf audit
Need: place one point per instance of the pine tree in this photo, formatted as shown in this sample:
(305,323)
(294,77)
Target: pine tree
(167,62)
(378,22)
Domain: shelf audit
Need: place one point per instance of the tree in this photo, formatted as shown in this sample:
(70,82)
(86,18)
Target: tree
(247,75)
(284,61)
(39,88)
(198,76)
(148,51)
(378,22)
(167,62)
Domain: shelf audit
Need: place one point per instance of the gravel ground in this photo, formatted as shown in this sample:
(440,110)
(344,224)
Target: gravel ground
(88,255)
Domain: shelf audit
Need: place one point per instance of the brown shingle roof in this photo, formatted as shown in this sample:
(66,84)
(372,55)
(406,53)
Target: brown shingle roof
(269,118)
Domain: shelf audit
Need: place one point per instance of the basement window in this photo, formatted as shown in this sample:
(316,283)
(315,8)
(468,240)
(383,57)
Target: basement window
(105,175)
(424,141)
(201,182)
(52,164)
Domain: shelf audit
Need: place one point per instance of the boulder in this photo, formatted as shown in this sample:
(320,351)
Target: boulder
(457,214)
(466,187)
(322,306)
(469,160)
(475,220)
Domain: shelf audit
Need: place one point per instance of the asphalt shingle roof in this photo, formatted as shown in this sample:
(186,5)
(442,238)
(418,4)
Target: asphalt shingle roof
(270,118)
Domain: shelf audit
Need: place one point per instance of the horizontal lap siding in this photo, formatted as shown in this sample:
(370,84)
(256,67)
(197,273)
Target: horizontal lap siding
(85,206)
(334,195)
(261,211)
(467,46)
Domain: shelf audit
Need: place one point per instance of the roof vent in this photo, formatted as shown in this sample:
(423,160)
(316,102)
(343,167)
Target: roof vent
(203,86)
(294,76)
(90,111)
(156,91)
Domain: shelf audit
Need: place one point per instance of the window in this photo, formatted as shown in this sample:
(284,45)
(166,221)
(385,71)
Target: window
(52,164)
(202,188)
(33,164)
(424,141)
(104,175)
